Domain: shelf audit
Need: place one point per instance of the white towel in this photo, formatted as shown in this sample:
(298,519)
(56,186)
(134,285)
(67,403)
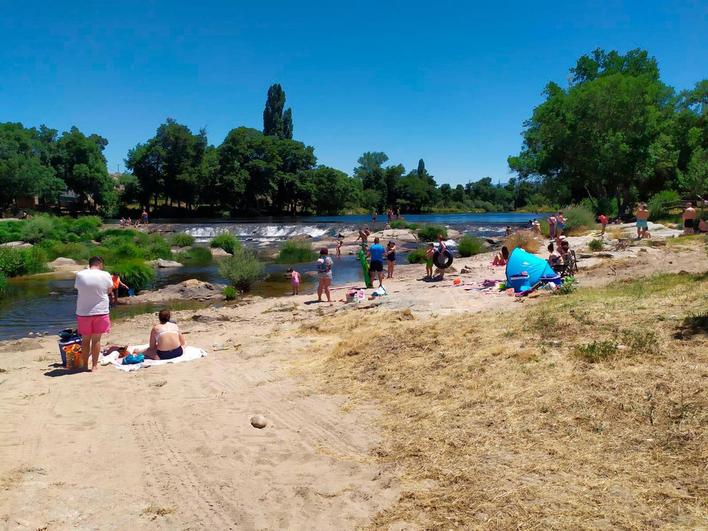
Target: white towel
(190,354)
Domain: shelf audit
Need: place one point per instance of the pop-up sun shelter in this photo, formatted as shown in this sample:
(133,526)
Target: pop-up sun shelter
(524,270)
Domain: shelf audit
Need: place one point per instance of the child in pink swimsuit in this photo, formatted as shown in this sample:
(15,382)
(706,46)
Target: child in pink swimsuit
(294,281)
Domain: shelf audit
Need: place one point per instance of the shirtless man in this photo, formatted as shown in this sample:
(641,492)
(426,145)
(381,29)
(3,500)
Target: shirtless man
(689,218)
(642,214)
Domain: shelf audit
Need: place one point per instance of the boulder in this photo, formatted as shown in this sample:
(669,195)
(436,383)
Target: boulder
(218,252)
(61,261)
(16,245)
(163,264)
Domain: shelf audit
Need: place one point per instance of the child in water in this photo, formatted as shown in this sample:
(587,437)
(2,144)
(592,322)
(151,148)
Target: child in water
(429,254)
(294,281)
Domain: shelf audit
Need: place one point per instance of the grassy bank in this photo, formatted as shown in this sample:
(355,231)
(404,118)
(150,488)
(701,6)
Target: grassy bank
(584,410)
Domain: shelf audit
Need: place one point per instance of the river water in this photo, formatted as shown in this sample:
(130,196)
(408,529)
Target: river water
(46,304)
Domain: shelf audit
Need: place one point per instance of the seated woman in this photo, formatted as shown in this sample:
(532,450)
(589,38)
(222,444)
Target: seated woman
(166,340)
(554,259)
(502,258)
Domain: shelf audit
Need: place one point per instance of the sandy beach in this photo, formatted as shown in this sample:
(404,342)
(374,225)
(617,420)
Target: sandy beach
(172,447)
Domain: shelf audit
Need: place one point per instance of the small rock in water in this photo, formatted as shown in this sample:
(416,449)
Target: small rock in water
(259,421)
(31,334)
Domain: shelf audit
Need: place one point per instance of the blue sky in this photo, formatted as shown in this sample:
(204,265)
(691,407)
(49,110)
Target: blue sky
(451,82)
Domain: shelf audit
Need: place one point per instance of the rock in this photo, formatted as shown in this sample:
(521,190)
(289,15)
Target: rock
(16,245)
(465,270)
(259,421)
(200,318)
(163,264)
(61,261)
(218,252)
(189,289)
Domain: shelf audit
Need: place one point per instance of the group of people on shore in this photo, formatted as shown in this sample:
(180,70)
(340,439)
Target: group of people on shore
(129,223)
(96,289)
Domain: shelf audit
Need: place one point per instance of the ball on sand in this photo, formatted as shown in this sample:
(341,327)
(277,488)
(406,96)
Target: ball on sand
(259,421)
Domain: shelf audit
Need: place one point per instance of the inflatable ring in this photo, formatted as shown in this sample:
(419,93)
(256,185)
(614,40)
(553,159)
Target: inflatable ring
(442,260)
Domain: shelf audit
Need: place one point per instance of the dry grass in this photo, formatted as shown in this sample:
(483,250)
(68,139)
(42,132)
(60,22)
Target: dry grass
(494,420)
(526,239)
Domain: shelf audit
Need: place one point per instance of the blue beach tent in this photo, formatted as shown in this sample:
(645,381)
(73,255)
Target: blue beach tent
(524,270)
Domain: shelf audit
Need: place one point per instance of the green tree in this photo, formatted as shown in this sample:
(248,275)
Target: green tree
(609,133)
(79,161)
(277,121)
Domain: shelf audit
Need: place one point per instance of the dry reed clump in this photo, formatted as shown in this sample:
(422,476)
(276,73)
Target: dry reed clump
(495,423)
(526,239)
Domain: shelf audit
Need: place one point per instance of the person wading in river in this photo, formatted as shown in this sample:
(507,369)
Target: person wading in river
(92,306)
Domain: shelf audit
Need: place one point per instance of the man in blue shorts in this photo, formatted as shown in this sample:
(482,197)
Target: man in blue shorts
(376,252)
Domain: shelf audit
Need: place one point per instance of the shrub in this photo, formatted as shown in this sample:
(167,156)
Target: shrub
(578,218)
(157,247)
(545,231)
(226,241)
(660,204)
(16,262)
(135,273)
(86,227)
(568,286)
(182,239)
(77,251)
(596,351)
(296,251)
(38,229)
(402,224)
(242,269)
(429,233)
(229,293)
(595,245)
(3,283)
(525,239)
(10,231)
(194,256)
(470,245)
(417,256)
(117,233)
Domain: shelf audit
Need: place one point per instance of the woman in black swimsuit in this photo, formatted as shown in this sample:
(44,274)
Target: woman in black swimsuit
(391,258)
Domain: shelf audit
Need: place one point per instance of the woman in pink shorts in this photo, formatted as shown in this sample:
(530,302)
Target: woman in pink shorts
(92,305)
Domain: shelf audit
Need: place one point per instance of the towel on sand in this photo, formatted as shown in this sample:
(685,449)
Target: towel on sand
(190,354)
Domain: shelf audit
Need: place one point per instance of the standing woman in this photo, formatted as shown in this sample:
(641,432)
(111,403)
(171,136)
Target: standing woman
(324,274)
(391,258)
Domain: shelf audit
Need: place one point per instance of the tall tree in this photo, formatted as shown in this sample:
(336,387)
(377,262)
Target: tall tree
(277,121)
(609,133)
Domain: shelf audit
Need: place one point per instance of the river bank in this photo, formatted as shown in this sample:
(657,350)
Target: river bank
(371,407)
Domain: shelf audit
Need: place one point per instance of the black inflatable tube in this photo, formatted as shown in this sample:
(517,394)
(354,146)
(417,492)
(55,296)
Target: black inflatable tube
(442,260)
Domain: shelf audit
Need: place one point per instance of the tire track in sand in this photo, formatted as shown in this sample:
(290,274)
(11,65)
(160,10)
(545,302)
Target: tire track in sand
(171,471)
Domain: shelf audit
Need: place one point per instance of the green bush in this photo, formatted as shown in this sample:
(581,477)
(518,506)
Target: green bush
(16,262)
(417,256)
(3,283)
(661,203)
(38,229)
(182,239)
(117,233)
(76,251)
(229,293)
(429,233)
(135,273)
(157,247)
(595,245)
(10,231)
(578,218)
(296,251)
(86,227)
(226,241)
(596,351)
(470,245)
(402,224)
(242,269)
(568,286)
(194,256)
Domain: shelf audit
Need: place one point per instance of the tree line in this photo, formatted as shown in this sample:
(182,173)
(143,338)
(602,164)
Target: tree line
(615,135)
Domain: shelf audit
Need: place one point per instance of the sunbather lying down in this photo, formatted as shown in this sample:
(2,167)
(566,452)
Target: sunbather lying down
(166,340)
